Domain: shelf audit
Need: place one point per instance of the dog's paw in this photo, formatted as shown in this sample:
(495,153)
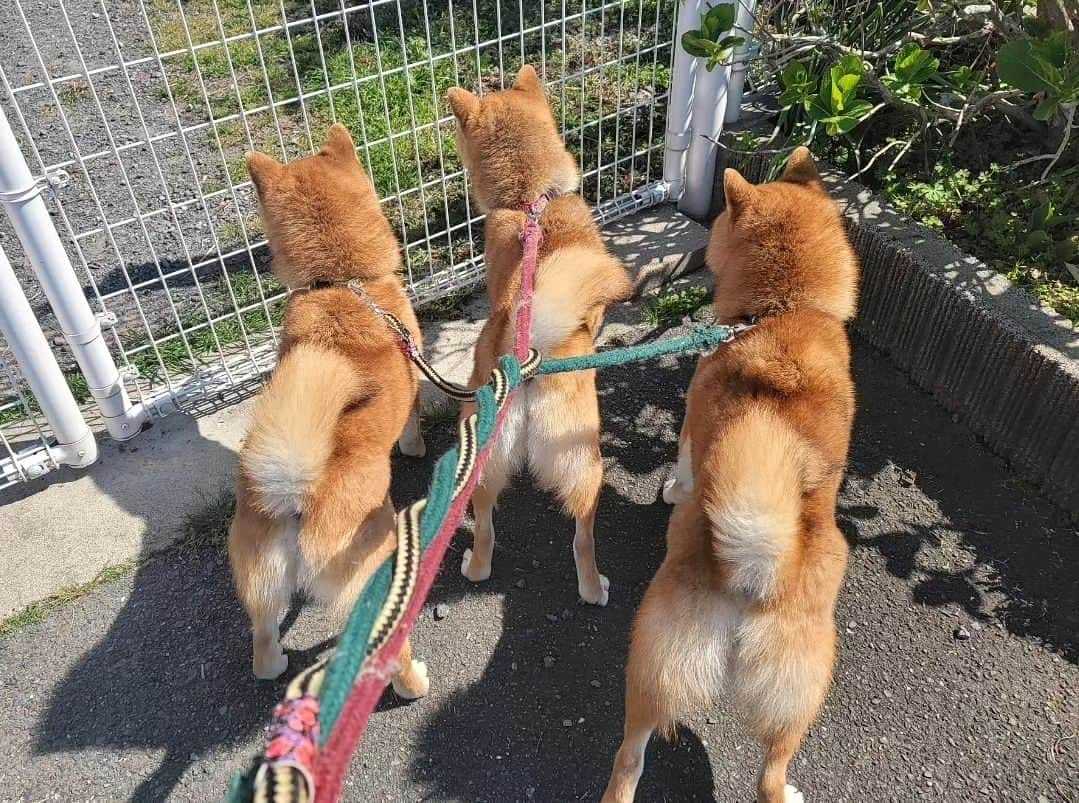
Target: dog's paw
(418,683)
(270,667)
(676,488)
(792,795)
(477,574)
(594,596)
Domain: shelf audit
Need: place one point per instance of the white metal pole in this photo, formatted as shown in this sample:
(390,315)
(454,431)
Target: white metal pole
(75,444)
(711,100)
(21,198)
(680,101)
(709,106)
(745,26)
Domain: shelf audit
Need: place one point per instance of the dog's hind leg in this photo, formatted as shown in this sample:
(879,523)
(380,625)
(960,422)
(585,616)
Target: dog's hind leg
(629,761)
(263,556)
(476,562)
(563,451)
(773,786)
(504,460)
(591,585)
(782,669)
(411,681)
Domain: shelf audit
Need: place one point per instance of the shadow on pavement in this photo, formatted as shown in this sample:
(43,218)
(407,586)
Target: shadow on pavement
(543,719)
(1016,552)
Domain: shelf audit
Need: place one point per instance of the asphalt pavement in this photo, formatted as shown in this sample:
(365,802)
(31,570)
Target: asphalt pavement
(957,677)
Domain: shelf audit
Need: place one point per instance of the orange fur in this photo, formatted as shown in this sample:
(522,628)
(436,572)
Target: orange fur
(754,558)
(313,507)
(510,145)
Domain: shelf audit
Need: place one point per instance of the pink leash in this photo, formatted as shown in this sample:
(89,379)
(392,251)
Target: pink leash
(336,754)
(530,239)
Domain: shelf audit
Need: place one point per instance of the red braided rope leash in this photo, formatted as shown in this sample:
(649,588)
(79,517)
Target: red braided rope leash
(336,753)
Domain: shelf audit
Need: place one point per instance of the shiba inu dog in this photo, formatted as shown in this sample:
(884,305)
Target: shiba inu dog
(313,507)
(511,148)
(744,602)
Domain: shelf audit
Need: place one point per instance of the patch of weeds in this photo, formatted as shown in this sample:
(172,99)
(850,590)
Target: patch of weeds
(441,414)
(33,614)
(670,308)
(71,92)
(1028,233)
(208,527)
(205,341)
(12,411)
(447,308)
(78,386)
(76,383)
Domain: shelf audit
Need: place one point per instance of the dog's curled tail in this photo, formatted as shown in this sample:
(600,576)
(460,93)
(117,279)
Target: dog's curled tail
(295,419)
(574,287)
(751,490)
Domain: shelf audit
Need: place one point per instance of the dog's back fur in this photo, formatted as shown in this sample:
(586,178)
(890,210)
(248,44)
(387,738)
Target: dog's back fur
(313,506)
(745,598)
(510,145)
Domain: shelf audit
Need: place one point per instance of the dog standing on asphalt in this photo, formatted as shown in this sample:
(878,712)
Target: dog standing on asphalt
(744,602)
(510,145)
(313,506)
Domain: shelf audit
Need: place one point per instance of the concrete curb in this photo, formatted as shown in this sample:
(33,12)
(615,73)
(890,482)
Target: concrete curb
(1006,366)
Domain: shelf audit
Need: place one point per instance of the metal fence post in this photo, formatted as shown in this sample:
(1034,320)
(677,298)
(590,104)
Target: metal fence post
(75,445)
(715,97)
(680,101)
(21,198)
(744,24)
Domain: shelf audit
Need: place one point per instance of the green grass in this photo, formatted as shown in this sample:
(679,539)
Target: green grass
(36,613)
(76,383)
(391,95)
(204,339)
(208,527)
(670,308)
(1026,232)
(204,529)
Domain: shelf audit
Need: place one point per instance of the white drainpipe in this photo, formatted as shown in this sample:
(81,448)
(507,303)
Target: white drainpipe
(744,24)
(20,195)
(680,101)
(75,445)
(713,95)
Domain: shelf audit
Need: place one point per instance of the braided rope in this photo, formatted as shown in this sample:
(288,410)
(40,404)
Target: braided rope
(330,702)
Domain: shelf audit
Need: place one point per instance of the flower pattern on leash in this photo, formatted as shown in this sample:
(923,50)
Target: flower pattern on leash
(294,735)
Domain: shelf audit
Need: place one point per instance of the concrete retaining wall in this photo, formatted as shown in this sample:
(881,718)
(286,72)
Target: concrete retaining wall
(986,350)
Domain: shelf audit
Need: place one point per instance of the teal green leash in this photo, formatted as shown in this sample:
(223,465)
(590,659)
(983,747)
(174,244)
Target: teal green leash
(703,338)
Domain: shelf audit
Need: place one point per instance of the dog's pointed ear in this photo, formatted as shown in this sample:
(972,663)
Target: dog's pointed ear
(339,143)
(528,80)
(738,192)
(263,169)
(801,169)
(464,104)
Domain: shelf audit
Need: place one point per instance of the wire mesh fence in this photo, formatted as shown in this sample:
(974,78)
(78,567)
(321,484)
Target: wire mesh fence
(24,433)
(149,105)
